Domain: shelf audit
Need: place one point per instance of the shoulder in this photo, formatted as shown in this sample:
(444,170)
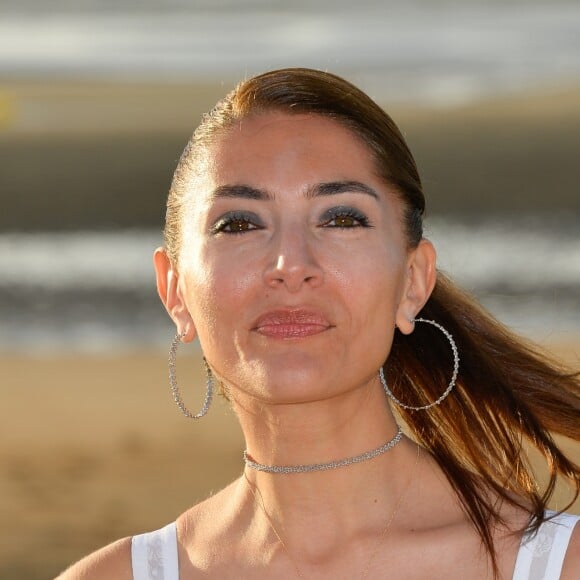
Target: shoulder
(571,568)
(219,520)
(112,561)
(213,515)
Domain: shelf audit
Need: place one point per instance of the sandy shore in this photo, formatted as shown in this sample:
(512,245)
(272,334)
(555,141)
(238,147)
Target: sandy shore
(93,449)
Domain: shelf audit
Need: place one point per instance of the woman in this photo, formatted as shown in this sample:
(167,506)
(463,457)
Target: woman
(294,252)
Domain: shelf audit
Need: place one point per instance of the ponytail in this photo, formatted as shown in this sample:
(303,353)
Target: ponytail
(508,396)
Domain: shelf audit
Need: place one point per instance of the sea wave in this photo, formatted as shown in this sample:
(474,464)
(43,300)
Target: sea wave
(96,290)
(414,51)
(530,255)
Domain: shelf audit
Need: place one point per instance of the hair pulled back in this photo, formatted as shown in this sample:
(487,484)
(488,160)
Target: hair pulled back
(508,395)
(300,91)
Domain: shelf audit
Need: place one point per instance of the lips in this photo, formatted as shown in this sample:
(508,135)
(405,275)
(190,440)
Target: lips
(296,323)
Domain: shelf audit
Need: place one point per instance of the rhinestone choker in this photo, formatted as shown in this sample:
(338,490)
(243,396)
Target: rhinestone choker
(324,466)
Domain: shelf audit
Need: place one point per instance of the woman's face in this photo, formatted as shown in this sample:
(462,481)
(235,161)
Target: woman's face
(293,269)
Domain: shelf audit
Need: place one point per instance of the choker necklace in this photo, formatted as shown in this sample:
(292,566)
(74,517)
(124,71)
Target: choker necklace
(380,536)
(324,466)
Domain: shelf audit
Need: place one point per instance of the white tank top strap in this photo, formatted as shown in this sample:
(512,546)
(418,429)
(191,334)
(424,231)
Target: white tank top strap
(154,555)
(541,556)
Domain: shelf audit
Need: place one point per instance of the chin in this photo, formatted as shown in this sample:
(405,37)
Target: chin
(292,379)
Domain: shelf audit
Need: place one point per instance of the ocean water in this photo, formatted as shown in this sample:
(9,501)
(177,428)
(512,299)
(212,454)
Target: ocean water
(95,291)
(91,291)
(445,51)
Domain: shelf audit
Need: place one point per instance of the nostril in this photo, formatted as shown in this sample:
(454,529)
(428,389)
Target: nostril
(293,268)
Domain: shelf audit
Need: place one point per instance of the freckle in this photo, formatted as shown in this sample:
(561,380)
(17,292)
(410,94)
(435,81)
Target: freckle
(376,500)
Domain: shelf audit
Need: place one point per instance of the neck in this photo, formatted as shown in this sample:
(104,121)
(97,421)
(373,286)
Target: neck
(318,432)
(325,465)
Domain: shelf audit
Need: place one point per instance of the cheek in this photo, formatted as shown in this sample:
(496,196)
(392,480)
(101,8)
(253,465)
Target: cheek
(198,296)
(231,279)
(370,291)
(218,292)
(374,284)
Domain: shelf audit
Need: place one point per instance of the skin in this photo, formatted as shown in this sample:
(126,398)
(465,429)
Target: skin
(295,314)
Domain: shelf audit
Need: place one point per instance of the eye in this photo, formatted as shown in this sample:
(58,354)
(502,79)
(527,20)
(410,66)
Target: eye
(345,218)
(237,223)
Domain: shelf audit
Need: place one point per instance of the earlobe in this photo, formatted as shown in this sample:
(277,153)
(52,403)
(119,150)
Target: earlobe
(419,283)
(170,294)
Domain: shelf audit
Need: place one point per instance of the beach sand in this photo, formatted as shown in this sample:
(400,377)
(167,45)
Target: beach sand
(93,449)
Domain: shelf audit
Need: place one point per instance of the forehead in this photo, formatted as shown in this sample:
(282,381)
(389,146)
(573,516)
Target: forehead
(280,146)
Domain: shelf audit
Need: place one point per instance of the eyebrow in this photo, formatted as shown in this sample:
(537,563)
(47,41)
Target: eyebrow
(318,190)
(336,187)
(241,191)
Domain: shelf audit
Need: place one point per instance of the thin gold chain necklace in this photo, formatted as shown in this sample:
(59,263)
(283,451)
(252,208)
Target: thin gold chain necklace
(381,535)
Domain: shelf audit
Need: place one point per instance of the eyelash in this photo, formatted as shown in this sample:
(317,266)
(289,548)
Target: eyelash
(251,222)
(345,212)
(240,218)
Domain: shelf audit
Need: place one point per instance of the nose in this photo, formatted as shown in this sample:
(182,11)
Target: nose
(292,263)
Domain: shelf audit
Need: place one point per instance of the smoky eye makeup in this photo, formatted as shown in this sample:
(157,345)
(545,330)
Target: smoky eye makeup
(344,217)
(236,222)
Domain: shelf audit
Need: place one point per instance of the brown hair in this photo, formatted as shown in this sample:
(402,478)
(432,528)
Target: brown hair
(507,392)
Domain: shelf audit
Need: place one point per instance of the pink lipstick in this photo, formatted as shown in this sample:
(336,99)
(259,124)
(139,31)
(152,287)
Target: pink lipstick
(287,324)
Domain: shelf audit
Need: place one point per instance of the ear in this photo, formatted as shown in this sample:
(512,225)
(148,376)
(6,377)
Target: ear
(419,283)
(171,294)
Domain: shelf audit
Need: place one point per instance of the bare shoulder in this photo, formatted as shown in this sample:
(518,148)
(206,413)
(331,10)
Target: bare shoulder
(210,517)
(219,520)
(112,561)
(571,568)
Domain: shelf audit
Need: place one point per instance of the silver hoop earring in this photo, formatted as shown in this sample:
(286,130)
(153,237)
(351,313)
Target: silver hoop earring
(453,377)
(175,389)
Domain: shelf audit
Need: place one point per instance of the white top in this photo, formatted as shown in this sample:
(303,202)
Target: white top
(154,555)
(540,556)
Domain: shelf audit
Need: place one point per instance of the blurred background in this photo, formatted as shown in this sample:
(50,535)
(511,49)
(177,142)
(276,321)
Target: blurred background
(97,100)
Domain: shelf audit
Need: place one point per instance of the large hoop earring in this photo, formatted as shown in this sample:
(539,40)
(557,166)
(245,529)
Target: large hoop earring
(175,389)
(451,382)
